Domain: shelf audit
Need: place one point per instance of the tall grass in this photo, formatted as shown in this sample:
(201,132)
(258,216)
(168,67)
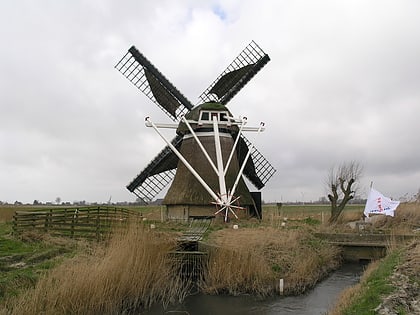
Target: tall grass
(232,271)
(131,273)
(6,213)
(253,261)
(407,218)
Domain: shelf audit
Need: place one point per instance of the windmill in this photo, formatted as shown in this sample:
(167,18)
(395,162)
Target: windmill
(206,159)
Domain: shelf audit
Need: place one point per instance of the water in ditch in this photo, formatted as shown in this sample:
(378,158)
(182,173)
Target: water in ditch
(316,301)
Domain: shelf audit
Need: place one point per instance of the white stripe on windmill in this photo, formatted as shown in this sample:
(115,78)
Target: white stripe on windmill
(209,152)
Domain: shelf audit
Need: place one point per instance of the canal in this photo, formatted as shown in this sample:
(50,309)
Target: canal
(316,301)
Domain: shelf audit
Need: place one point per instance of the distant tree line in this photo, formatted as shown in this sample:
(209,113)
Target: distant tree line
(36,202)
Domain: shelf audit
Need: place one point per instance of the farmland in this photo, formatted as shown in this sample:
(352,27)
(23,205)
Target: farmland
(38,264)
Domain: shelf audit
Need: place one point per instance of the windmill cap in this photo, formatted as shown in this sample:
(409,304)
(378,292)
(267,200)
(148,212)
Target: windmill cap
(194,114)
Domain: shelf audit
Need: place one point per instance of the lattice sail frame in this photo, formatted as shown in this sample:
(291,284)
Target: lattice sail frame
(251,55)
(263,167)
(146,186)
(134,66)
(153,185)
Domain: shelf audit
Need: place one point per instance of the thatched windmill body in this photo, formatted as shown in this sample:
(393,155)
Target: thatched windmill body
(209,155)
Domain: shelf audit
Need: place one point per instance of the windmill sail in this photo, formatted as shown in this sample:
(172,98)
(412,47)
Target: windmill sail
(157,175)
(143,74)
(162,96)
(225,83)
(150,81)
(257,169)
(151,186)
(251,60)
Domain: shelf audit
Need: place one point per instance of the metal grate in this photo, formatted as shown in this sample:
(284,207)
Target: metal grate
(236,75)
(263,168)
(139,71)
(195,232)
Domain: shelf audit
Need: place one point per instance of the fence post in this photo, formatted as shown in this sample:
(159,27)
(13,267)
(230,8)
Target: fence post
(65,218)
(33,222)
(15,223)
(279,210)
(98,222)
(72,224)
(47,218)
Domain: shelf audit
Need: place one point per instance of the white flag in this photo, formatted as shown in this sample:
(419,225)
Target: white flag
(379,204)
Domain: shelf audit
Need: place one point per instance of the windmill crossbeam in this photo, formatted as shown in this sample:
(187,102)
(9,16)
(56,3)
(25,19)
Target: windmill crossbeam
(160,125)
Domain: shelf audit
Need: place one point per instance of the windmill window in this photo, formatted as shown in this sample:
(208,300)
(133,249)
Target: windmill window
(204,116)
(223,116)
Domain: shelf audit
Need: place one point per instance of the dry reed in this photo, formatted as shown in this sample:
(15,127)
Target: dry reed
(407,218)
(234,272)
(131,273)
(253,261)
(6,213)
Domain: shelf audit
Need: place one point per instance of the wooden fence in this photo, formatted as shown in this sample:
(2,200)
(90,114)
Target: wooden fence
(92,222)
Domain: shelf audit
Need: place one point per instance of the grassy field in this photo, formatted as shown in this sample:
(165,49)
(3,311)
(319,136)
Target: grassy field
(116,268)
(44,274)
(25,258)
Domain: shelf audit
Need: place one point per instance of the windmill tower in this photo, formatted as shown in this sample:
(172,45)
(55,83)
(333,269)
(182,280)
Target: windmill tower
(206,135)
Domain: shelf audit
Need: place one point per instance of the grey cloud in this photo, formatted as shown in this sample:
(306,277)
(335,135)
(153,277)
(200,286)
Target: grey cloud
(342,85)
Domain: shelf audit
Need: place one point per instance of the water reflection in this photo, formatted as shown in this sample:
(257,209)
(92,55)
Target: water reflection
(315,302)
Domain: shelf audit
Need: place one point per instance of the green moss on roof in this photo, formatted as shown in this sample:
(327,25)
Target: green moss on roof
(213,106)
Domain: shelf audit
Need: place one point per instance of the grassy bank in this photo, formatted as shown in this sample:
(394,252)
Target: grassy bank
(133,270)
(388,286)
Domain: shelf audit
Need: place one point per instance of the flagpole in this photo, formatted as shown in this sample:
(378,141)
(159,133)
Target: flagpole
(365,213)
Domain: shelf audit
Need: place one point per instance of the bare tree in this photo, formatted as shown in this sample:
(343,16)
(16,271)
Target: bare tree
(342,182)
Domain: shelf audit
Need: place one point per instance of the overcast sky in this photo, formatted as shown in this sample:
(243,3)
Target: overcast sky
(343,84)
